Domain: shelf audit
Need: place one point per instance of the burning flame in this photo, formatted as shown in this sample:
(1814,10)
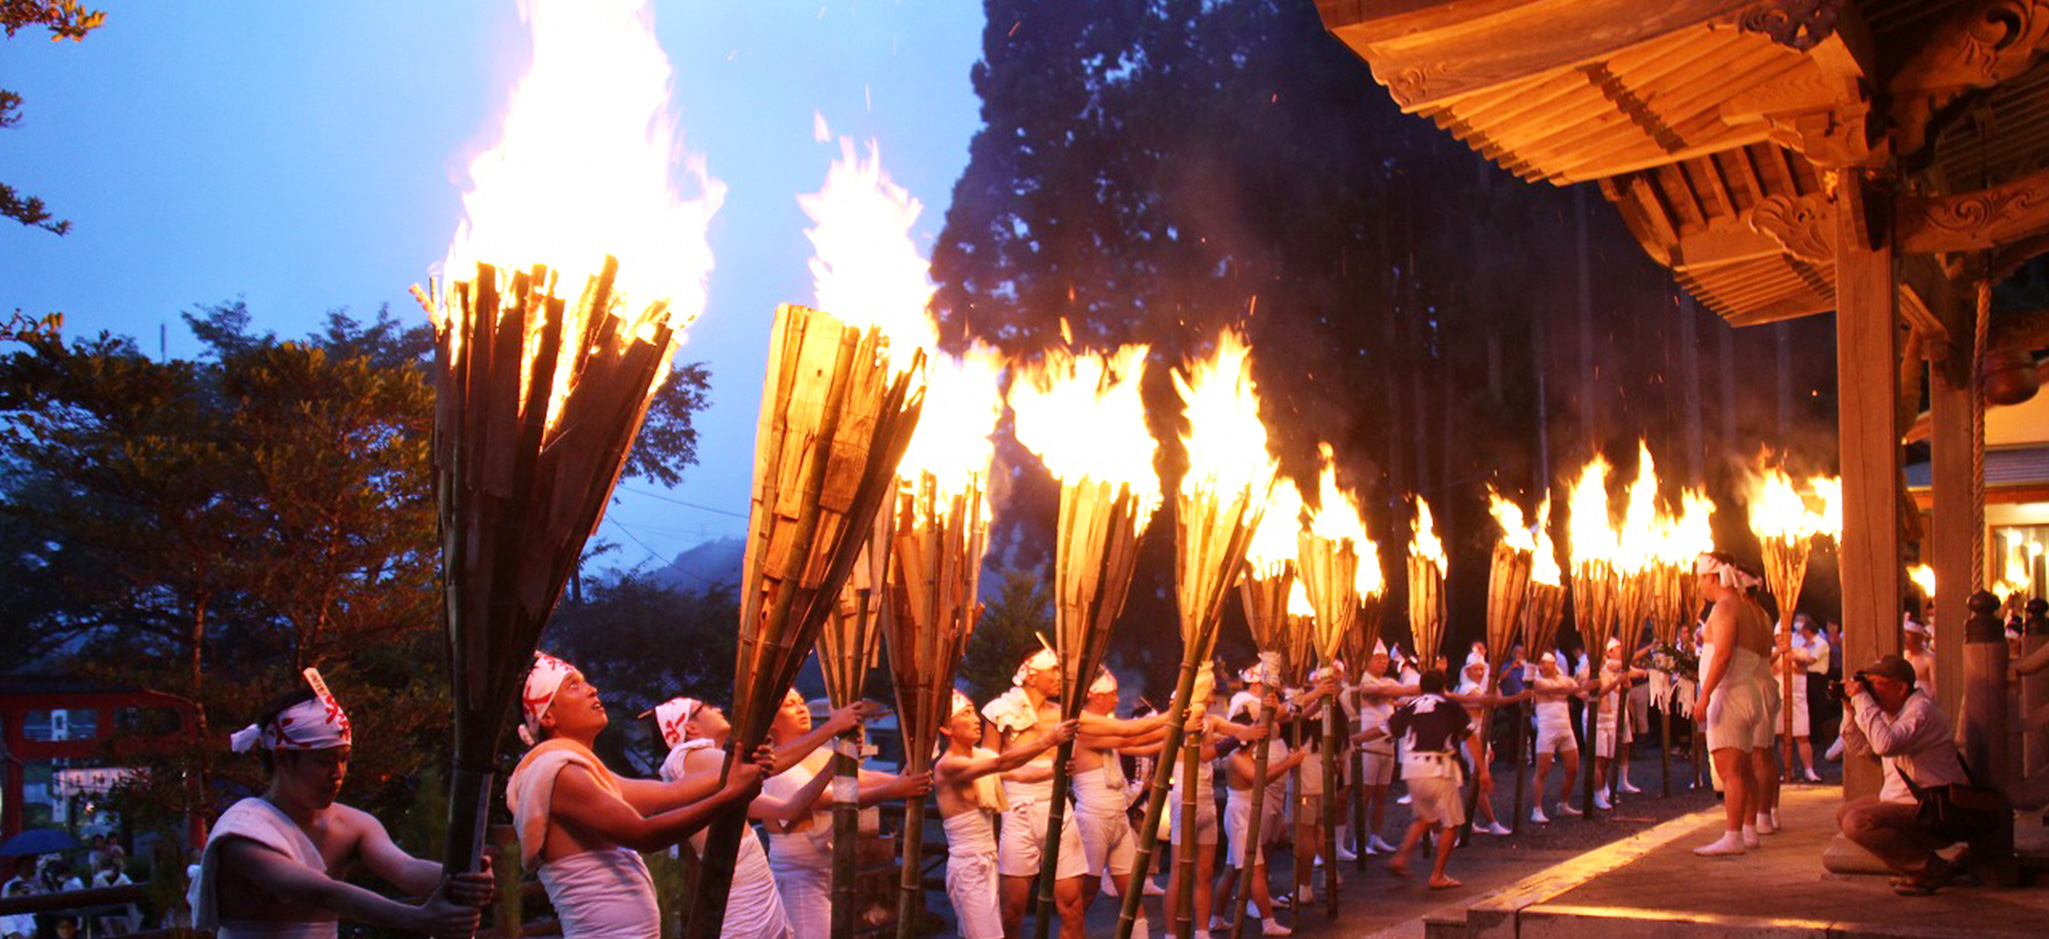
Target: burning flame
(1689,534)
(583,169)
(1225,440)
(1588,530)
(1509,516)
(1924,577)
(1636,544)
(865,267)
(866,271)
(1338,518)
(1426,544)
(1273,543)
(1780,511)
(1083,416)
(1544,562)
(1298,600)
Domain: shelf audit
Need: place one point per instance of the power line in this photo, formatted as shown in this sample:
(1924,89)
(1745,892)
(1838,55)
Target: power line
(688,505)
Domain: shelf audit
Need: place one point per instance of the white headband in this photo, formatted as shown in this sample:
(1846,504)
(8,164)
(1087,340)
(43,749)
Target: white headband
(314,724)
(1729,574)
(671,715)
(542,681)
(1105,683)
(1040,661)
(961,703)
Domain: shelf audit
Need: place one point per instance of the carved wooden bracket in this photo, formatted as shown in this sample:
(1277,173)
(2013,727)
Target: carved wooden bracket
(1979,45)
(1972,221)
(1796,24)
(1804,225)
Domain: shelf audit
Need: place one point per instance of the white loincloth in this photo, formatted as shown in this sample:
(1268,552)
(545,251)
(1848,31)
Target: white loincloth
(256,820)
(801,862)
(1205,808)
(971,875)
(1024,834)
(1107,840)
(1237,826)
(753,908)
(605,894)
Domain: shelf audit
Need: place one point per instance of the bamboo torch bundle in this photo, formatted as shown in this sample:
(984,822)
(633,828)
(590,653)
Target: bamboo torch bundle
(1508,591)
(1222,498)
(1340,564)
(1543,609)
(537,403)
(936,566)
(846,654)
(1108,492)
(1426,589)
(836,416)
(1265,589)
(1786,528)
(1594,588)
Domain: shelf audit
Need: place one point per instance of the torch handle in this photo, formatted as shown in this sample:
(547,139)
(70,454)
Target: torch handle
(1250,849)
(1329,762)
(1049,862)
(715,878)
(469,804)
(910,886)
(1156,799)
(846,835)
(1184,853)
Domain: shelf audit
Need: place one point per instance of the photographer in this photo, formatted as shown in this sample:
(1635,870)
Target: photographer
(1887,715)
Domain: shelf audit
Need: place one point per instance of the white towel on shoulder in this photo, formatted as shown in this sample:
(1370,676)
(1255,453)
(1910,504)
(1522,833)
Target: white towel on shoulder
(261,822)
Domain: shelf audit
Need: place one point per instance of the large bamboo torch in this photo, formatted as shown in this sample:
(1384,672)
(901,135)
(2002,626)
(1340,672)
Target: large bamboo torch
(1222,497)
(1426,588)
(1339,565)
(866,267)
(1508,591)
(836,416)
(539,394)
(846,654)
(1674,606)
(1108,491)
(1594,588)
(1358,648)
(1786,527)
(1542,611)
(1266,588)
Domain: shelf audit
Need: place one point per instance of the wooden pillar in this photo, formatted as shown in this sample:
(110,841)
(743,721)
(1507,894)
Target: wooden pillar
(2034,692)
(1867,379)
(1955,521)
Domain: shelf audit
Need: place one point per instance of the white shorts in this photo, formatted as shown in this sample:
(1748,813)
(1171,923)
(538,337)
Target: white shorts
(1024,836)
(1802,725)
(1439,800)
(971,886)
(1205,818)
(1108,842)
(1237,827)
(1556,738)
(1604,740)
(1377,767)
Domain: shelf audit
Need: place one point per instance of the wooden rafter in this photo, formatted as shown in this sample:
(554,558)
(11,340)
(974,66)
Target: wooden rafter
(1977,220)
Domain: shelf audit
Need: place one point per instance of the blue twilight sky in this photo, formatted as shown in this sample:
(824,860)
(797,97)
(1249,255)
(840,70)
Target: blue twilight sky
(309,156)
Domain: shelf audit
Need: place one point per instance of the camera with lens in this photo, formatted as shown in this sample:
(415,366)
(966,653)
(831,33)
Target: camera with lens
(1842,690)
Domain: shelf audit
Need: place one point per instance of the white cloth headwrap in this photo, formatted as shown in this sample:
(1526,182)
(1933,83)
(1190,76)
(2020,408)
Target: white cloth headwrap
(1551,657)
(1105,683)
(316,724)
(1011,711)
(1379,647)
(961,703)
(671,715)
(1729,574)
(1265,670)
(542,681)
(1040,661)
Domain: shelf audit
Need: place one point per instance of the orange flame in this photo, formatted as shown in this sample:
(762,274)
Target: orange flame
(1588,531)
(1544,562)
(1779,510)
(1924,577)
(1338,518)
(583,166)
(1273,543)
(1509,516)
(1225,440)
(1083,416)
(1426,544)
(1636,544)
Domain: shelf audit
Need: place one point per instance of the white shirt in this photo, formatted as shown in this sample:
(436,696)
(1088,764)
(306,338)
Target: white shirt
(1917,741)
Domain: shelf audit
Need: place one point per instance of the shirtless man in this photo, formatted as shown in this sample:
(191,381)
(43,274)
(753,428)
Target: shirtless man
(586,826)
(1240,773)
(1206,729)
(1608,728)
(1377,696)
(1017,718)
(1553,690)
(273,864)
(1478,695)
(963,782)
(1101,801)
(696,734)
(1733,698)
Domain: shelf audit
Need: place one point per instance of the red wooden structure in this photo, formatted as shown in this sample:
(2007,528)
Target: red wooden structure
(115,735)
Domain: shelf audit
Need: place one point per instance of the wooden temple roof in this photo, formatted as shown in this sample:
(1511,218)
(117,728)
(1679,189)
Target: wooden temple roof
(1713,124)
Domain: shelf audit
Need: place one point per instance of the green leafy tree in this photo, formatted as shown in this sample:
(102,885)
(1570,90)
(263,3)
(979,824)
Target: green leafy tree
(1007,632)
(65,19)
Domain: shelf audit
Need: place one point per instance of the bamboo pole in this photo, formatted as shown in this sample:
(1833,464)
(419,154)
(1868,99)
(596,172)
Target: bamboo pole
(1508,588)
(1593,612)
(1266,613)
(836,417)
(1099,530)
(935,572)
(1211,535)
(1542,612)
(1365,635)
(1785,567)
(1330,576)
(537,403)
(846,654)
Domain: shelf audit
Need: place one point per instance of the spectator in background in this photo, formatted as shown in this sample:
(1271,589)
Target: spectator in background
(111,873)
(17,925)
